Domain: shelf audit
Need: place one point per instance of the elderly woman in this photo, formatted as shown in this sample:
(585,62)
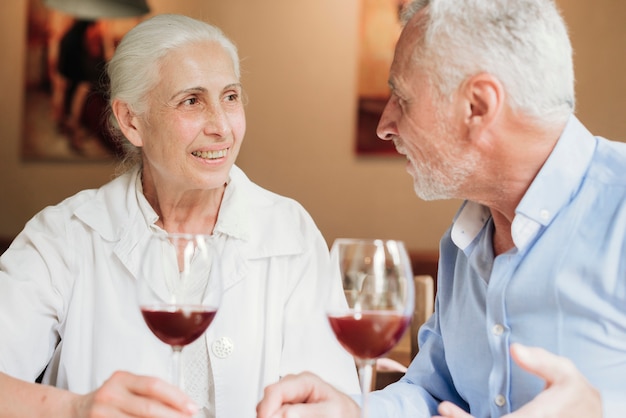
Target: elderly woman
(67,302)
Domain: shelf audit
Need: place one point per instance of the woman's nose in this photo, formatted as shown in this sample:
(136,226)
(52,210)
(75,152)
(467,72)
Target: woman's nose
(216,121)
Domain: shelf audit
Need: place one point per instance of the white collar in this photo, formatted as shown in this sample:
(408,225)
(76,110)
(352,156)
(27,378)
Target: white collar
(231,218)
(473,216)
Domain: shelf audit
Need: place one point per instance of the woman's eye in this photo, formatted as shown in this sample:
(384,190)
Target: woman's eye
(232,97)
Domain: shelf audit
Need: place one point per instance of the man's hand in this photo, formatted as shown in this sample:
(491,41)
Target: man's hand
(567,392)
(305,396)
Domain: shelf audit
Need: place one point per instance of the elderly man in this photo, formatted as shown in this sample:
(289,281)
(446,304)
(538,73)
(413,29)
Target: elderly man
(530,316)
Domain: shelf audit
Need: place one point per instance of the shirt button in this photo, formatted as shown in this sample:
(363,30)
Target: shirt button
(222,347)
(500,400)
(544,214)
(497,330)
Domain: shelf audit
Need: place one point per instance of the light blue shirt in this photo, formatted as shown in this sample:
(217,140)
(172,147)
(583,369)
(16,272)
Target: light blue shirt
(562,287)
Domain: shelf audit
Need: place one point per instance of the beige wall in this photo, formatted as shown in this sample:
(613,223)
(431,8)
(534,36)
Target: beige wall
(299,62)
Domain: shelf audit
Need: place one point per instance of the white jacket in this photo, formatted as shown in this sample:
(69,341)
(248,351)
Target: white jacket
(67,296)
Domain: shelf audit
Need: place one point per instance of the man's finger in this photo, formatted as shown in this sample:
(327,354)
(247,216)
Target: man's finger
(542,363)
(304,411)
(289,390)
(450,410)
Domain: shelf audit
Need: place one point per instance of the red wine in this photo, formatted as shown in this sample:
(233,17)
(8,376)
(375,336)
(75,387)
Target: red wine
(368,334)
(178,325)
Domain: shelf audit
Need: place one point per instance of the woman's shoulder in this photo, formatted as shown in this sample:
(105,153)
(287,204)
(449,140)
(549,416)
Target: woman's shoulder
(269,214)
(262,200)
(93,202)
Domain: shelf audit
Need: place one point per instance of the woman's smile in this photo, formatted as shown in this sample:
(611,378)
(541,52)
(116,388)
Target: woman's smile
(211,155)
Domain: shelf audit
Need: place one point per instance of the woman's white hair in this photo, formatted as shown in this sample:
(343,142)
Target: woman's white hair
(134,68)
(523,43)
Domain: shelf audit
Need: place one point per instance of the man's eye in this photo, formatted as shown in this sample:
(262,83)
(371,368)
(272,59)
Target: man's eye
(190,101)
(232,97)
(399,100)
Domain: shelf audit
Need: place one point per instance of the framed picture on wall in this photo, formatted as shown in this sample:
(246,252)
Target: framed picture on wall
(65,85)
(380,28)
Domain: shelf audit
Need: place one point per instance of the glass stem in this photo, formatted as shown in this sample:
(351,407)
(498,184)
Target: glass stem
(366,369)
(177,376)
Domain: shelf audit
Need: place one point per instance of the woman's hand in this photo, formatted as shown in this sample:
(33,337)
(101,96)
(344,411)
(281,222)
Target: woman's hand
(122,395)
(126,394)
(305,396)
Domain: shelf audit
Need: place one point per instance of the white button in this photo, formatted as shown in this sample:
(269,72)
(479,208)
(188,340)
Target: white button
(497,330)
(500,400)
(544,214)
(222,347)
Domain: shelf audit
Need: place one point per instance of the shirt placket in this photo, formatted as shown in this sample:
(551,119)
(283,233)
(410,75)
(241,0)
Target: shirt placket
(498,333)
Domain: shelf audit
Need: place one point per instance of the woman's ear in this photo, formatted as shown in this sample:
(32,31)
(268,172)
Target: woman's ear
(484,98)
(128,122)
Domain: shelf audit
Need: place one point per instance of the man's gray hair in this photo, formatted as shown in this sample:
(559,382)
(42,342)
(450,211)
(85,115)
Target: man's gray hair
(523,43)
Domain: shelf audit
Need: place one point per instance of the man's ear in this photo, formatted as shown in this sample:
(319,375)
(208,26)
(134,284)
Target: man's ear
(128,122)
(484,98)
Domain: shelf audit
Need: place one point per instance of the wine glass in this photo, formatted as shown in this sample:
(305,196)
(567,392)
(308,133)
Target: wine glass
(378,287)
(179,290)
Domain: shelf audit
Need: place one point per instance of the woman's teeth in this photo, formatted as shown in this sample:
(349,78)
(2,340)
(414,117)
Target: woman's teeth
(211,155)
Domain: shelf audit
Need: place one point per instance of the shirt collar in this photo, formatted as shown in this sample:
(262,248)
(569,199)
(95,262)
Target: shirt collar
(231,219)
(145,208)
(561,175)
(552,188)
(468,223)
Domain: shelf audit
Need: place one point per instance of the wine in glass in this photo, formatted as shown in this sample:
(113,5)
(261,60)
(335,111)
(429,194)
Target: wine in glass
(179,292)
(378,286)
